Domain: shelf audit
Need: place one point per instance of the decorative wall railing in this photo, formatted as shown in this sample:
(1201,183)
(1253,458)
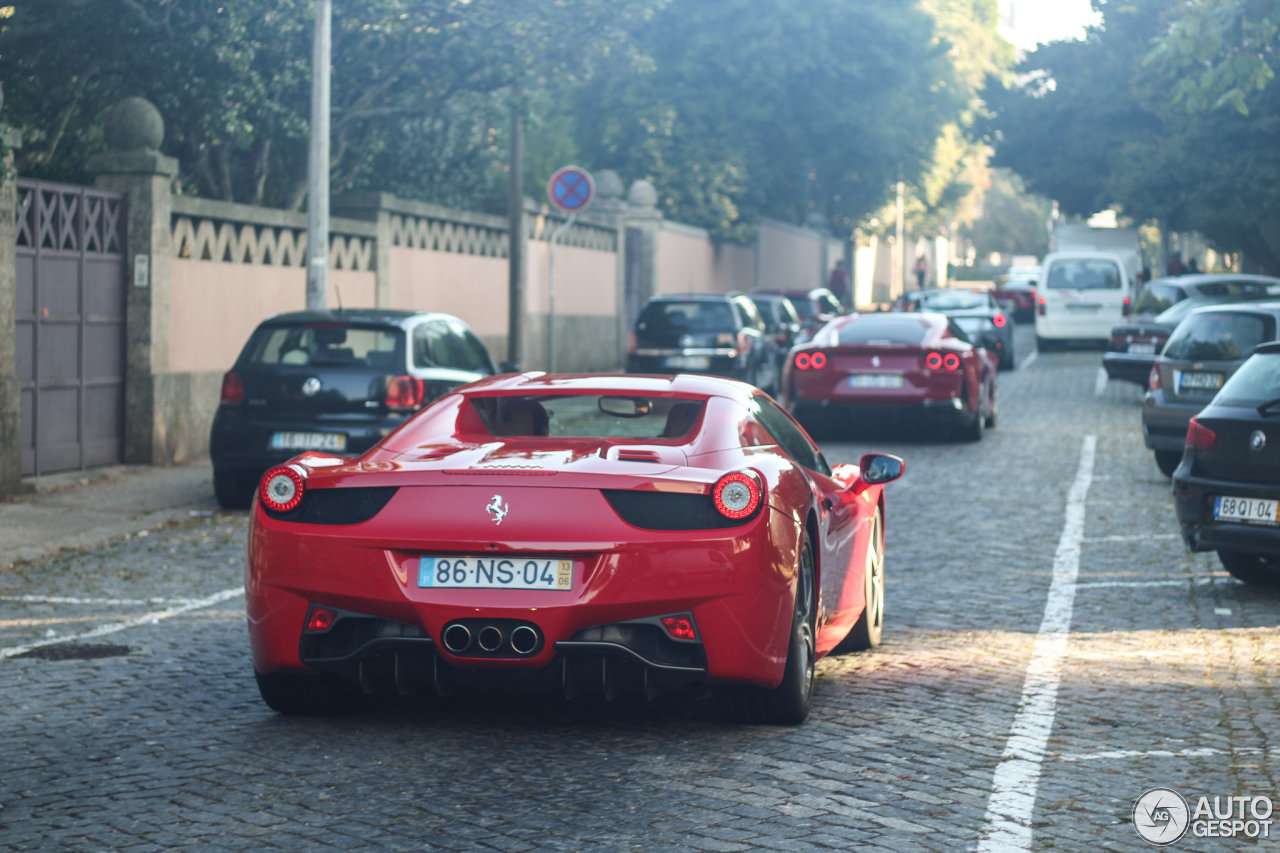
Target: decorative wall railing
(64,218)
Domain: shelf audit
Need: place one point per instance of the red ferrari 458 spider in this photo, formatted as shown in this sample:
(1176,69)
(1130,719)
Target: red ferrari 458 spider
(617,534)
(865,367)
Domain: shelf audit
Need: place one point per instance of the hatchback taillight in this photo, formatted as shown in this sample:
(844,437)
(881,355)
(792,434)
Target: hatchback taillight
(232,389)
(404,393)
(1153,381)
(1042,307)
(1200,437)
(1127,308)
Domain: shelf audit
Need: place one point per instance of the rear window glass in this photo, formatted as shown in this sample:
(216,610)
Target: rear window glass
(1157,297)
(699,316)
(1083,274)
(974,326)
(1257,381)
(327,345)
(589,415)
(957,301)
(884,329)
(1218,337)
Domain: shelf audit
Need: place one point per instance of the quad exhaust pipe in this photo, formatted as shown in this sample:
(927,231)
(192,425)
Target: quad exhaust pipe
(491,638)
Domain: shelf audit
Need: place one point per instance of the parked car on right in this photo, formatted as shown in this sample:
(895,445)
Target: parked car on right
(1202,353)
(1226,489)
(1161,306)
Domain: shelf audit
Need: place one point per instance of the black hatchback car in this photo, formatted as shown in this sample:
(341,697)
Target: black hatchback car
(1226,490)
(714,333)
(336,381)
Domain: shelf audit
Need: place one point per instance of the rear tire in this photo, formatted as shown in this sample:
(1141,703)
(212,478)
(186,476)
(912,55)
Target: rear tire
(1255,569)
(787,704)
(1007,361)
(233,491)
(310,694)
(1167,461)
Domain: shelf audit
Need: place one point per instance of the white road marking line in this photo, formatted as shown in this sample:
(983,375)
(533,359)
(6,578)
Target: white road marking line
(1129,754)
(116,627)
(1222,611)
(1100,384)
(1183,582)
(103,602)
(1017,776)
(1131,537)
(1026,362)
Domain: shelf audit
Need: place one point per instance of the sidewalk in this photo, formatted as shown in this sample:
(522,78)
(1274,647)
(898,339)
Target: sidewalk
(81,509)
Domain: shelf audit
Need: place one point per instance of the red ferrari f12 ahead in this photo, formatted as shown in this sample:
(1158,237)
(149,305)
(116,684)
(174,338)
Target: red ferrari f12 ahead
(615,534)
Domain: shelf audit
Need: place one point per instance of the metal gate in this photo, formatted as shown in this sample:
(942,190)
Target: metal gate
(70,326)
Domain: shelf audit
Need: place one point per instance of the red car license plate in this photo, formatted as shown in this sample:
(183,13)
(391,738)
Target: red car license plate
(495,573)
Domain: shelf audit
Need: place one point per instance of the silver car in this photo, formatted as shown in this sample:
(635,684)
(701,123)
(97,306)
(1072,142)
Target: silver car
(1203,351)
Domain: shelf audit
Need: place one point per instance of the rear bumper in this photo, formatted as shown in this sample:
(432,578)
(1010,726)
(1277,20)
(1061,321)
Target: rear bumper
(1129,368)
(946,413)
(1193,500)
(241,446)
(731,367)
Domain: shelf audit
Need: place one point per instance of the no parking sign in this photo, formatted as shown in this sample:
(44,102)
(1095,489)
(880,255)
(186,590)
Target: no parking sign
(571,188)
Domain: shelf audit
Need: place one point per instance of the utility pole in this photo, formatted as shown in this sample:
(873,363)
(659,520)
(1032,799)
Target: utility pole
(318,163)
(515,233)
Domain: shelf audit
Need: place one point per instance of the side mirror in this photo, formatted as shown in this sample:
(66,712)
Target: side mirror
(881,468)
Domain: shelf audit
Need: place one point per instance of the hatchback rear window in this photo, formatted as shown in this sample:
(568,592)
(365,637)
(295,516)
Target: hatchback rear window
(1083,274)
(1257,381)
(699,316)
(1213,336)
(884,330)
(327,345)
(1156,297)
(960,300)
(588,415)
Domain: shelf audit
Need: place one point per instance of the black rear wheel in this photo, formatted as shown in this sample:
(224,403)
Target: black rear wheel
(233,491)
(1256,569)
(1167,460)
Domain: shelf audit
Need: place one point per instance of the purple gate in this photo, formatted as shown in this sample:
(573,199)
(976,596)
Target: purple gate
(70,326)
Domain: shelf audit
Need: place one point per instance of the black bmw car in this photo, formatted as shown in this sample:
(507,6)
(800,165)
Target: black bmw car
(337,381)
(1226,490)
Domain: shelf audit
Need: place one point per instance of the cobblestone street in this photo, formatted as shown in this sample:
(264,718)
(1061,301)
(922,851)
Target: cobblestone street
(1051,652)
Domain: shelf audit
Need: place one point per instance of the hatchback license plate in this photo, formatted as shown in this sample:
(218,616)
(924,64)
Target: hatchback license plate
(1260,510)
(875,380)
(688,362)
(336,441)
(1142,349)
(1200,382)
(551,573)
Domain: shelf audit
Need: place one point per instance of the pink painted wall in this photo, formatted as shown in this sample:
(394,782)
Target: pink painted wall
(790,257)
(685,263)
(734,267)
(214,306)
(472,287)
(586,281)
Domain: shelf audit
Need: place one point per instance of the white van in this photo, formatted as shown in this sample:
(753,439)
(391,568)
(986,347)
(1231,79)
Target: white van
(1082,294)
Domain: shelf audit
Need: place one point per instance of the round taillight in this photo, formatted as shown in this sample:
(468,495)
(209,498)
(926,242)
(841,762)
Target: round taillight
(999,320)
(281,489)
(232,389)
(951,361)
(818,360)
(802,361)
(933,361)
(737,495)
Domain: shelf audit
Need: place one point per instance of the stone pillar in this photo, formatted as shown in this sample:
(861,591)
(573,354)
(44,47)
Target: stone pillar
(133,165)
(10,398)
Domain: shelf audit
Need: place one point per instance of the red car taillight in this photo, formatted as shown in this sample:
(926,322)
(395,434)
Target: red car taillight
(737,494)
(1153,381)
(232,389)
(1200,437)
(1127,307)
(938,361)
(680,626)
(281,488)
(810,360)
(404,393)
(999,320)
(1042,307)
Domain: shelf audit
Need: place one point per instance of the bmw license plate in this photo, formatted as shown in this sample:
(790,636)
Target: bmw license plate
(875,380)
(1142,349)
(495,573)
(335,441)
(1196,381)
(688,362)
(1259,510)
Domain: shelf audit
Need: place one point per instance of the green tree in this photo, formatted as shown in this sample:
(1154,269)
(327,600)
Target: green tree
(1012,221)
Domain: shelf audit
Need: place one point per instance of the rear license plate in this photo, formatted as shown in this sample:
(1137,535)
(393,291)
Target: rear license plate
(875,380)
(1258,510)
(336,441)
(1142,349)
(495,573)
(1200,381)
(689,362)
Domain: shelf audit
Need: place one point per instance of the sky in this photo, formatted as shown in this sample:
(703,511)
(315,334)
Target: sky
(1036,21)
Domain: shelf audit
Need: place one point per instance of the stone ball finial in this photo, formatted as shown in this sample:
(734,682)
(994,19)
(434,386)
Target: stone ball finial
(608,185)
(642,194)
(133,123)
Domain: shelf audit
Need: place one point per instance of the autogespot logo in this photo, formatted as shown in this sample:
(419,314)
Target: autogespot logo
(1161,816)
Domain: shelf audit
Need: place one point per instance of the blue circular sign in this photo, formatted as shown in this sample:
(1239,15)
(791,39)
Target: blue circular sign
(571,188)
